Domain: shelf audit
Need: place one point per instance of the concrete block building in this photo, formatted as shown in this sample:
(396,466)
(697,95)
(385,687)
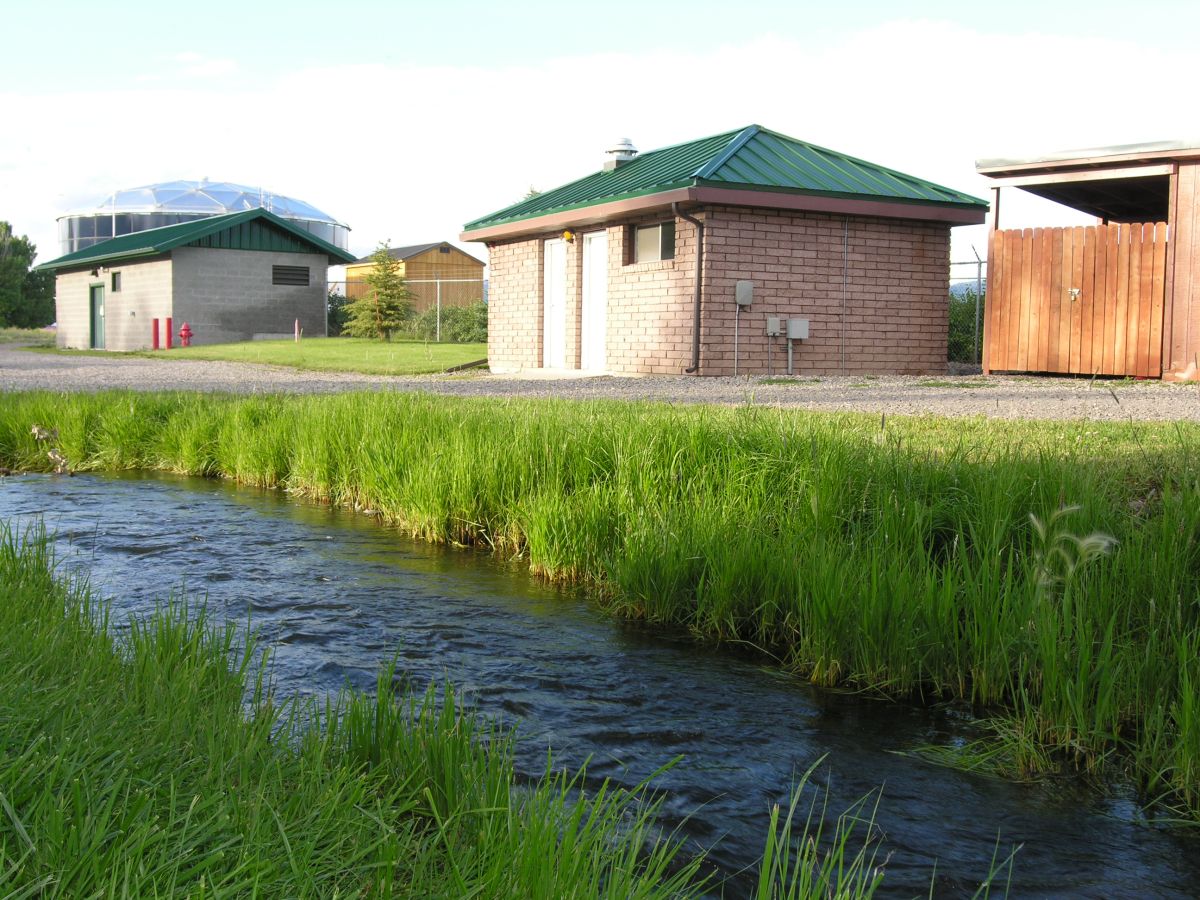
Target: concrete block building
(235,277)
(703,257)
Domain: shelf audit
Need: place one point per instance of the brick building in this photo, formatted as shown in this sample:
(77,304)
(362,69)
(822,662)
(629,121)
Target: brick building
(639,268)
(233,277)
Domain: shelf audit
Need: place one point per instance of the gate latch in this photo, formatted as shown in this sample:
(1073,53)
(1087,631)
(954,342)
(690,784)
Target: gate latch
(1075,292)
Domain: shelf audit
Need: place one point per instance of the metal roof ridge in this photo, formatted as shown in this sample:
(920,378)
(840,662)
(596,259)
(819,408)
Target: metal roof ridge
(896,173)
(739,141)
(647,155)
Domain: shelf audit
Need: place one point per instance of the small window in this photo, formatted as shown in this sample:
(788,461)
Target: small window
(116,282)
(654,242)
(443,249)
(295,275)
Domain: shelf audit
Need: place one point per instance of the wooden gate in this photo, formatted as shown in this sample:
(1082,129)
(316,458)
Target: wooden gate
(1085,300)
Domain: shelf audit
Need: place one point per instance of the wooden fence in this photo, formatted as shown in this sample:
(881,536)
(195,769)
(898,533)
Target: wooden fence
(426,293)
(1084,300)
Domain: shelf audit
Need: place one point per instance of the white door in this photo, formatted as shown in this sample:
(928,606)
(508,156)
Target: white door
(594,355)
(554,306)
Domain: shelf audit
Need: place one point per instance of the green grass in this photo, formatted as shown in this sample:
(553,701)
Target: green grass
(131,768)
(33,337)
(157,764)
(930,559)
(331,355)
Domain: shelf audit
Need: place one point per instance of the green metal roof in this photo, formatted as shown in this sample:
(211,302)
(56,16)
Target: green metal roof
(752,158)
(253,229)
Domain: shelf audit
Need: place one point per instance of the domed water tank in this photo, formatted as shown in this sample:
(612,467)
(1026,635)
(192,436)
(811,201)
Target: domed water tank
(172,202)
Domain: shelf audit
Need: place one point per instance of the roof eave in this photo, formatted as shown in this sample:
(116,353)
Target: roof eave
(1075,160)
(92,262)
(708,195)
(586,214)
(856,205)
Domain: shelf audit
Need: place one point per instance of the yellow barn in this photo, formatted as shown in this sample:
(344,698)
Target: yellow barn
(434,272)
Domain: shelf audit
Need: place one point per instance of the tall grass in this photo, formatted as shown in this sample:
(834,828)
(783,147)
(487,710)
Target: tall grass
(156,764)
(132,768)
(938,559)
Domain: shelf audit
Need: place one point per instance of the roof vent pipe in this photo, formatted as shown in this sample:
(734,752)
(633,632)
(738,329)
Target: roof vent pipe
(618,154)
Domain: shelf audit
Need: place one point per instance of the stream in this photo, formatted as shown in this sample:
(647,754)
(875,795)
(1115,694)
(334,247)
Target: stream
(337,596)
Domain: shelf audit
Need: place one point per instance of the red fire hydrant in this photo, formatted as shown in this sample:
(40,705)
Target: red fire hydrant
(185,335)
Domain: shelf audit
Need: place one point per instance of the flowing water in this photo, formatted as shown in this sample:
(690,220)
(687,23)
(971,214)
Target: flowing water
(337,597)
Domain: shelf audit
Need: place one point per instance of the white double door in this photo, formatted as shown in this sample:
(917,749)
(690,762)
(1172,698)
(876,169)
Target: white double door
(594,312)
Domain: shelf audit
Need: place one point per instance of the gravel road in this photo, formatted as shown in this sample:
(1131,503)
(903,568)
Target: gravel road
(995,396)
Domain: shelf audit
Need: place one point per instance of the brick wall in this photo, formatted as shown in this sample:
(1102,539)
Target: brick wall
(649,304)
(896,296)
(515,305)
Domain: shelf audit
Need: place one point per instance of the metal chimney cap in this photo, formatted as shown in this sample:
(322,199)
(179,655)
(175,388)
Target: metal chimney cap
(619,154)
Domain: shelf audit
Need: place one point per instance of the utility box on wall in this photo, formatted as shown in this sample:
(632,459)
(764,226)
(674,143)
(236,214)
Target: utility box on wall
(797,329)
(774,326)
(743,292)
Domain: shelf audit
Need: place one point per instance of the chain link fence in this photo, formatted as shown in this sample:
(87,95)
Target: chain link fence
(968,289)
(431,297)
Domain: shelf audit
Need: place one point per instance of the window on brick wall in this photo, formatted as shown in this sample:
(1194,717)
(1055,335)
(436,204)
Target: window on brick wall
(116,282)
(653,242)
(297,275)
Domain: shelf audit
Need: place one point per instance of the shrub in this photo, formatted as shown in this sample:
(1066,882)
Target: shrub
(960,344)
(460,324)
(336,314)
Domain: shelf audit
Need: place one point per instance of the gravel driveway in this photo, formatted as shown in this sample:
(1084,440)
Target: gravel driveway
(996,396)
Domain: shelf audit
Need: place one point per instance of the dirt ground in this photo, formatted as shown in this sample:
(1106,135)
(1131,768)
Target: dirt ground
(1030,397)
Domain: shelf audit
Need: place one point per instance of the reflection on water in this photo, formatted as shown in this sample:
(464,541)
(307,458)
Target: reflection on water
(338,597)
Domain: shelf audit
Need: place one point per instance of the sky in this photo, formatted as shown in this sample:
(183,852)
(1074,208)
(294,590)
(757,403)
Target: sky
(406,120)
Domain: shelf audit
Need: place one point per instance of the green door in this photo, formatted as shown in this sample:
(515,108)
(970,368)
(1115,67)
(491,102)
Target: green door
(97,297)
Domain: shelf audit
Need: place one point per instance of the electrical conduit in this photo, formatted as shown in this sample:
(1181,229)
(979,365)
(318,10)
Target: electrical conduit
(694,369)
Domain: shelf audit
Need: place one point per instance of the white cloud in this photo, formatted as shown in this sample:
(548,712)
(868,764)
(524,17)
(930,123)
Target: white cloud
(409,153)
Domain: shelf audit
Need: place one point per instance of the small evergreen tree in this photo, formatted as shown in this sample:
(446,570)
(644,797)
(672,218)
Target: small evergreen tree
(385,306)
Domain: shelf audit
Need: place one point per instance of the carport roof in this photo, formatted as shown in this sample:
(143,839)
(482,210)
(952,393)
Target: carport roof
(1124,183)
(751,159)
(236,231)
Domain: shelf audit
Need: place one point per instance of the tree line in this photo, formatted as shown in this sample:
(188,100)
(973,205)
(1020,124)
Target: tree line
(26,296)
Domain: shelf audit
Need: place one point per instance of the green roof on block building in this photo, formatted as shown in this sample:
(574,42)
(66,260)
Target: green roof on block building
(752,158)
(253,229)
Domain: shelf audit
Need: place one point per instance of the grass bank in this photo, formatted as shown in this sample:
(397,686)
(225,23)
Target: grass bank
(342,354)
(1045,573)
(155,764)
(132,768)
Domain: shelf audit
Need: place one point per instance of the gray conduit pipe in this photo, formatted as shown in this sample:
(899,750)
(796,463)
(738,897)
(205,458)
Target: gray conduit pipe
(737,312)
(694,369)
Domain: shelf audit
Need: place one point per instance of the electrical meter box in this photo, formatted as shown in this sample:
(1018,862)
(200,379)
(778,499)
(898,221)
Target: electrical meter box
(797,329)
(774,326)
(743,291)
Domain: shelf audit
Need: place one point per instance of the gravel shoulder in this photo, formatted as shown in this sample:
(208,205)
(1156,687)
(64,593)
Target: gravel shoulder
(995,396)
